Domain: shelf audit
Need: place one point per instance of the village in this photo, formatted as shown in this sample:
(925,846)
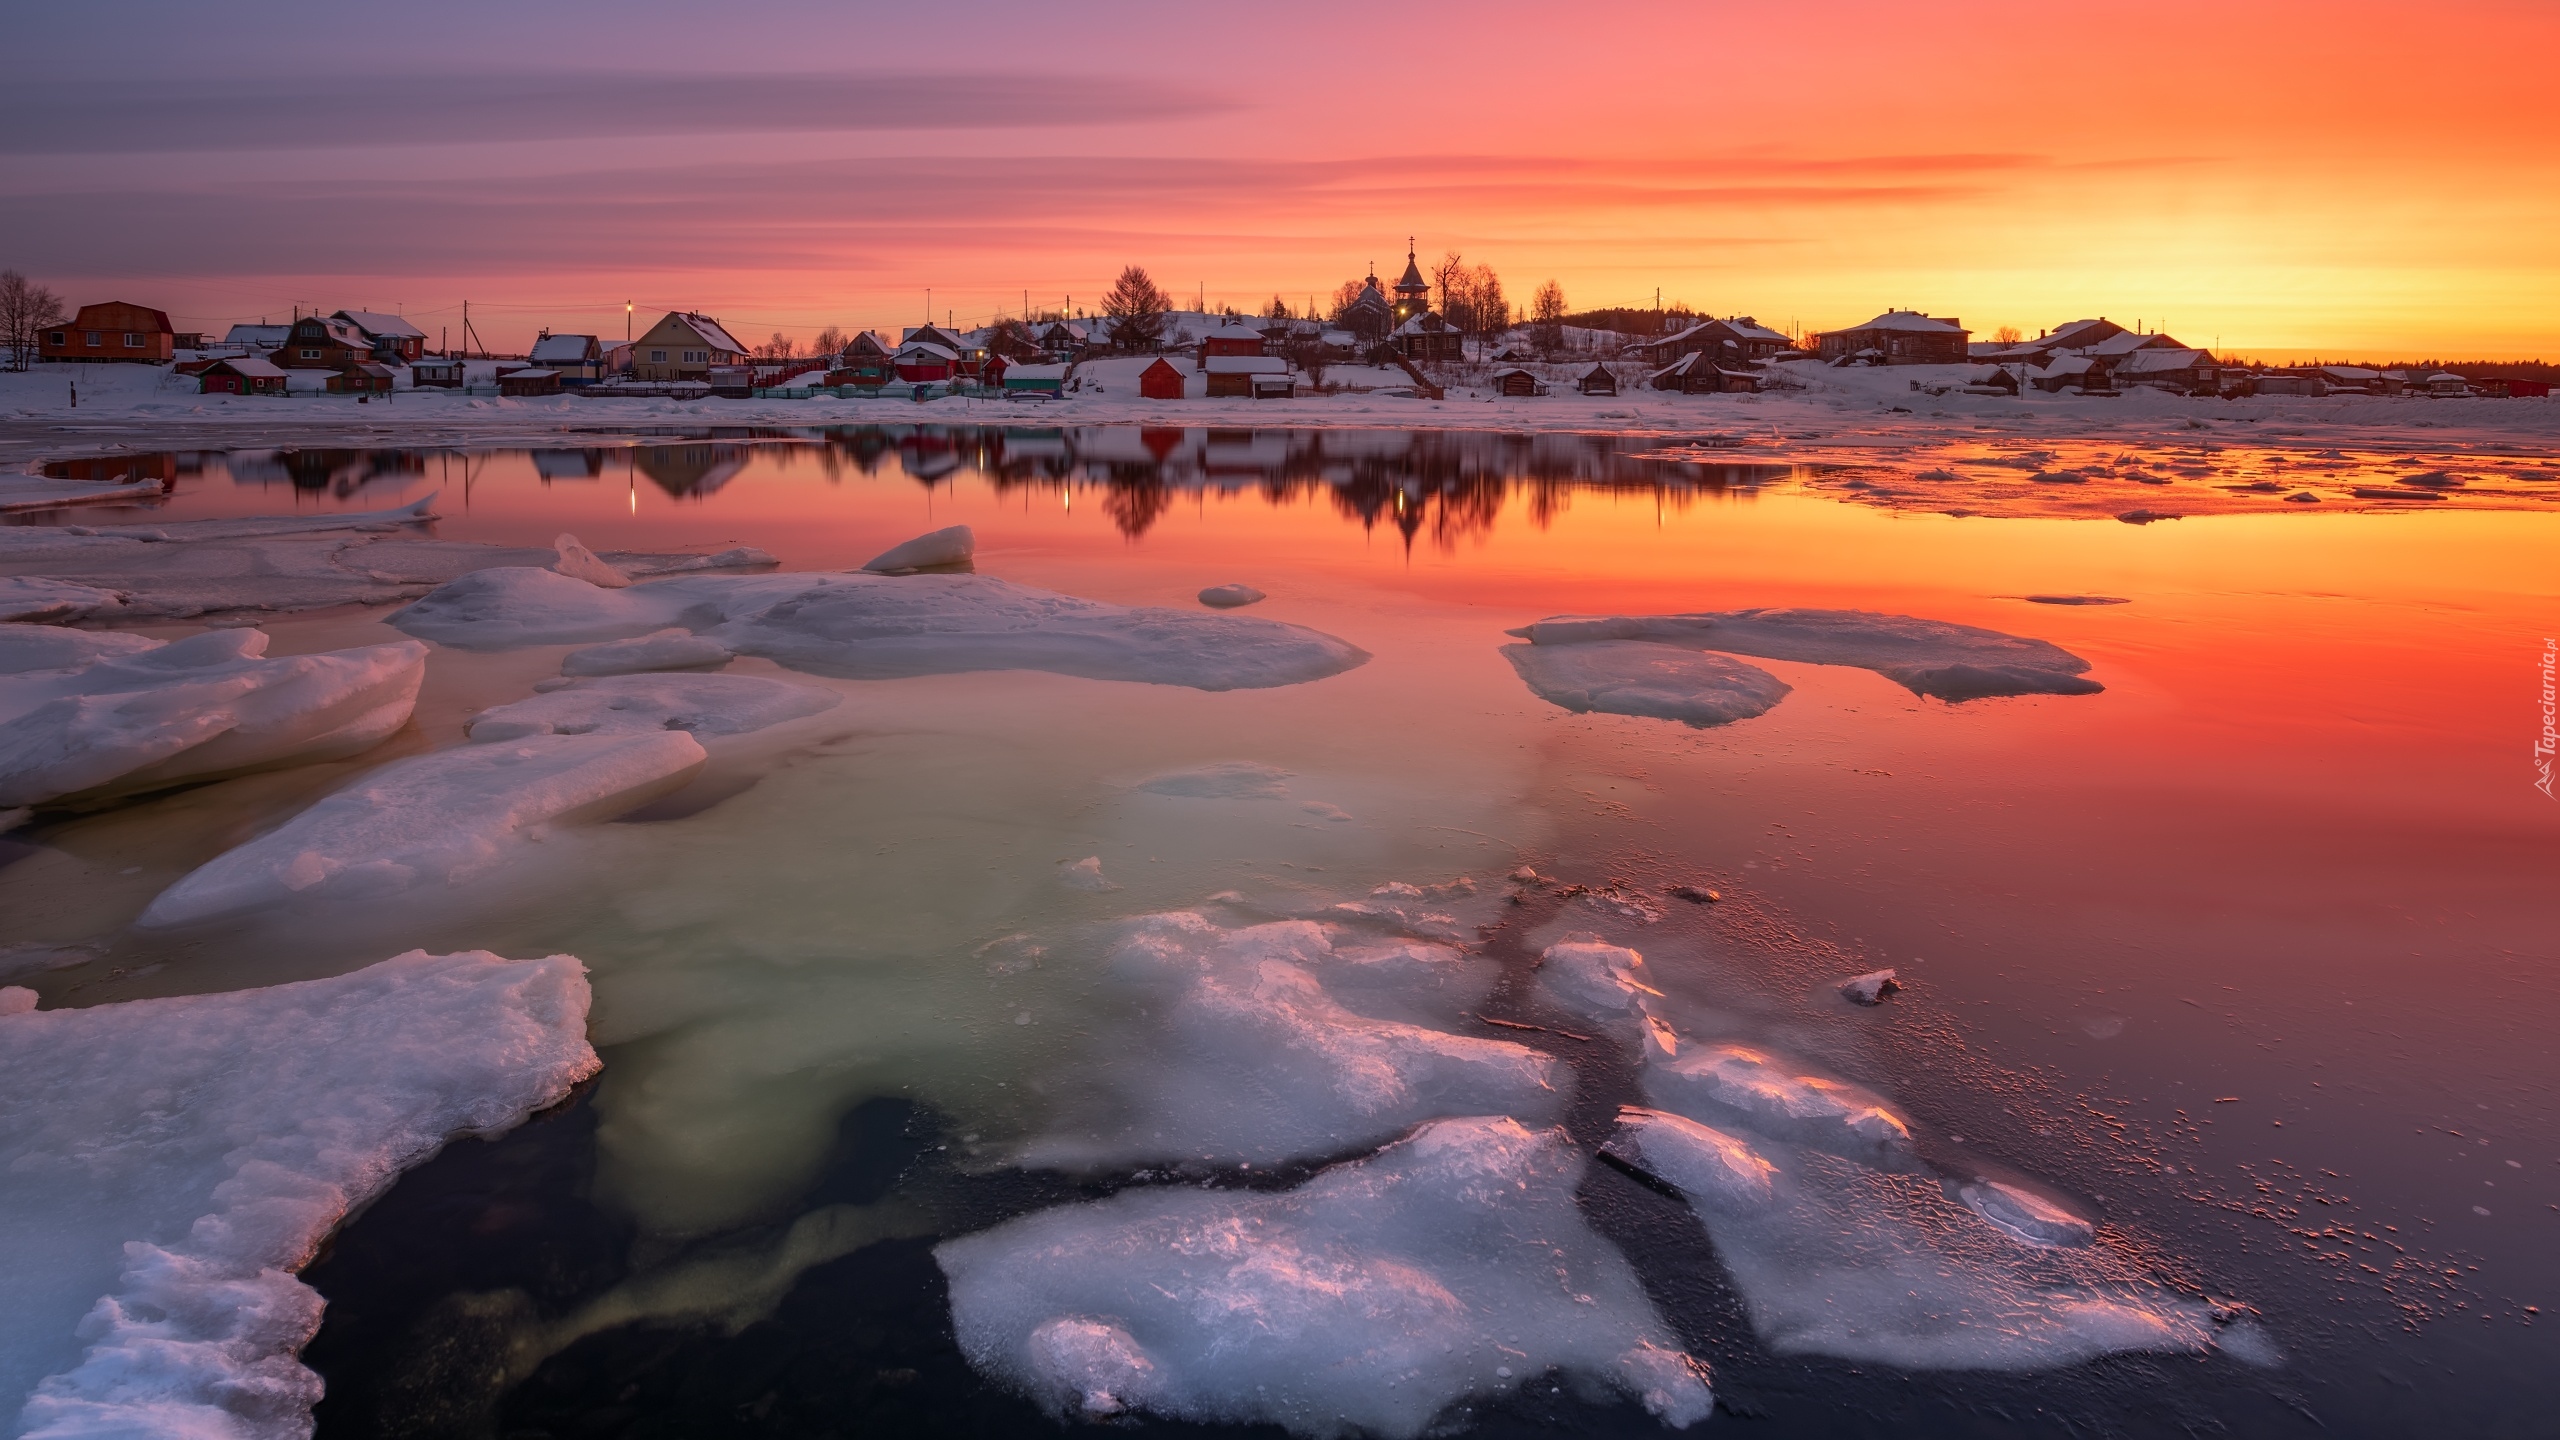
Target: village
(1376,339)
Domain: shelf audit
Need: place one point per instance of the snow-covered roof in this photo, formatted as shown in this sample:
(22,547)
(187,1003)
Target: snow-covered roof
(927,348)
(1910,320)
(2063,336)
(1244,365)
(2067,365)
(1429,322)
(708,330)
(1035,372)
(530,372)
(1751,329)
(268,335)
(1235,330)
(2129,342)
(2350,372)
(248,365)
(571,348)
(2144,362)
(381,326)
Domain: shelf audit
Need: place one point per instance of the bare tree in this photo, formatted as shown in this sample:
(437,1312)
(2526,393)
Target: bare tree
(1487,310)
(1548,310)
(1344,294)
(1450,278)
(26,309)
(1278,309)
(830,341)
(2008,335)
(1307,355)
(777,348)
(1137,310)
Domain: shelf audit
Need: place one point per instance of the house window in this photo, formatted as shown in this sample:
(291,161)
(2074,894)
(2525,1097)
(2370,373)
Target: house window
(93,337)
(310,354)
(132,341)
(657,357)
(58,337)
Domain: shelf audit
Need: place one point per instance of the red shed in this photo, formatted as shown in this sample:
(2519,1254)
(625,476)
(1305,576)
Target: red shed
(245,375)
(1160,381)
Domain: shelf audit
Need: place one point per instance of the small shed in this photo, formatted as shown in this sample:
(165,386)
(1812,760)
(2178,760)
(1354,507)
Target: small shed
(1034,379)
(1516,381)
(1598,380)
(1234,375)
(365,378)
(240,375)
(534,380)
(441,374)
(1280,386)
(1160,381)
(2445,383)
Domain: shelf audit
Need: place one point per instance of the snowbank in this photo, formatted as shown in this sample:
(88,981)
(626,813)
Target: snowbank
(1927,657)
(94,718)
(637,704)
(670,649)
(1450,1265)
(436,819)
(165,1165)
(953,547)
(1632,677)
(1283,1041)
(862,626)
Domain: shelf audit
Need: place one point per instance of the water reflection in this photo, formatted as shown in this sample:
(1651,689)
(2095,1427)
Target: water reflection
(1447,486)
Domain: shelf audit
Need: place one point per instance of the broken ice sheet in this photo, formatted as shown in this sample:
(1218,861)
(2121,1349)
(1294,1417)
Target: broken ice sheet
(1927,657)
(166,1164)
(1288,1040)
(1369,1300)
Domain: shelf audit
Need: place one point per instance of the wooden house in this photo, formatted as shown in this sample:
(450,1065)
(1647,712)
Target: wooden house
(1161,381)
(1370,315)
(1597,381)
(436,372)
(114,331)
(321,342)
(1234,375)
(395,341)
(578,359)
(1698,374)
(240,375)
(1428,336)
(1735,343)
(922,362)
(1516,381)
(1899,337)
(684,346)
(365,377)
(531,380)
(1236,340)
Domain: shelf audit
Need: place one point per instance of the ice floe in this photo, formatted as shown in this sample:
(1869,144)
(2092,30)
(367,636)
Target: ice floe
(1634,677)
(86,716)
(579,562)
(433,820)
(1928,657)
(674,648)
(628,704)
(1596,981)
(1221,780)
(182,569)
(1870,988)
(1769,1096)
(1288,1040)
(1229,597)
(863,626)
(166,1165)
(1450,1265)
(1835,1258)
(45,492)
(953,547)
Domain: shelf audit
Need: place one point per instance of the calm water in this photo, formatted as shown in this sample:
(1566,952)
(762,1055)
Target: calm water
(2249,954)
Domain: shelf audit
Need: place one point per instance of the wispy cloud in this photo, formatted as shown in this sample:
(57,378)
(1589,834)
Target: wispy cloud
(314,109)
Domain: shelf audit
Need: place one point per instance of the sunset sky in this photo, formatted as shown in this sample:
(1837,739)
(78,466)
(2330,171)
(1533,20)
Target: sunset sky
(2275,179)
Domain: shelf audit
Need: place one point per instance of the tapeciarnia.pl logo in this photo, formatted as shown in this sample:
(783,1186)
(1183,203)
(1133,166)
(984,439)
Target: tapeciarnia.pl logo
(2544,744)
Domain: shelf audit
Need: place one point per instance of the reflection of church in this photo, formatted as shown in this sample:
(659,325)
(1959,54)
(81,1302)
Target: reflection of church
(1372,316)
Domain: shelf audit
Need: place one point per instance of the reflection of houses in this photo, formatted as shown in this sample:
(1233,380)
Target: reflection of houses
(113,331)
(1899,337)
(684,346)
(587,464)
(690,471)
(341,472)
(576,359)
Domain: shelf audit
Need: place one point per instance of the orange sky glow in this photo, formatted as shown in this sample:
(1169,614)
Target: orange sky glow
(2277,180)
